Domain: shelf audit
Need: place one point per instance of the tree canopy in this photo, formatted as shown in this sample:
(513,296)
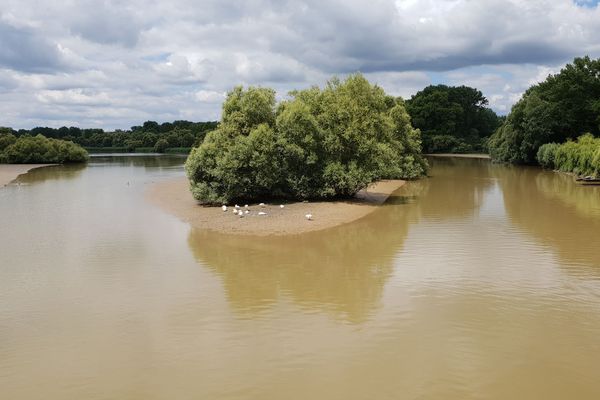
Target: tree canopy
(177,135)
(452,119)
(320,143)
(563,107)
(39,149)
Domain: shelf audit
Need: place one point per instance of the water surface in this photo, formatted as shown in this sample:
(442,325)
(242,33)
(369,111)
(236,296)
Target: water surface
(481,282)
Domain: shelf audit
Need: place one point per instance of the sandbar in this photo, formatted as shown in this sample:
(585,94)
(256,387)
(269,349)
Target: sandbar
(174,197)
(10,172)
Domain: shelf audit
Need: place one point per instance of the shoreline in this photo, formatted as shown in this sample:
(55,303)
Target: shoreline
(174,197)
(459,155)
(10,172)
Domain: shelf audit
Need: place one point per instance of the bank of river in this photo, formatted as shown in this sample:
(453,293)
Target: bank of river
(174,196)
(479,282)
(10,172)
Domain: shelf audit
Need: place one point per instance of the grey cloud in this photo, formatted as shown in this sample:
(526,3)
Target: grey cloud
(105,23)
(24,49)
(119,62)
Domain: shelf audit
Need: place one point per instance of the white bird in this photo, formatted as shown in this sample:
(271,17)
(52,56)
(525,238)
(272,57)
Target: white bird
(262,205)
(241,214)
(281,206)
(247,212)
(236,206)
(224,208)
(246,206)
(308,217)
(235,212)
(262,213)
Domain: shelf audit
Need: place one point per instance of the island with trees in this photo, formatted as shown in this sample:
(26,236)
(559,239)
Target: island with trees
(38,149)
(318,144)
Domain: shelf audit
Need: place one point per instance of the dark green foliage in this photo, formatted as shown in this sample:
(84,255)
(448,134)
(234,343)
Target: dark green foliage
(178,134)
(161,145)
(563,107)
(319,144)
(452,119)
(6,139)
(39,149)
(581,157)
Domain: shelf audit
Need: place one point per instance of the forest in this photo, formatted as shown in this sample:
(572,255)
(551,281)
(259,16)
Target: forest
(177,136)
(563,107)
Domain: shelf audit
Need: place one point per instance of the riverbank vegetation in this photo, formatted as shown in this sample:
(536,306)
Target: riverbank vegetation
(563,107)
(319,144)
(452,119)
(39,149)
(581,157)
(150,137)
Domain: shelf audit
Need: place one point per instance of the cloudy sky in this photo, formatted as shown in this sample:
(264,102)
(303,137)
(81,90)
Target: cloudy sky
(117,63)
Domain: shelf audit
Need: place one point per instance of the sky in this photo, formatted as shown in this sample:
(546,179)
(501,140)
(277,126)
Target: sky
(116,63)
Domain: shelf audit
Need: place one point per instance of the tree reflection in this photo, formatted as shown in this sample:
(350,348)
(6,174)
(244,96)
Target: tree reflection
(556,210)
(341,270)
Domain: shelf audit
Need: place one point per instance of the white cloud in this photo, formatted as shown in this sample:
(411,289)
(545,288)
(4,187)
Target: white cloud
(116,63)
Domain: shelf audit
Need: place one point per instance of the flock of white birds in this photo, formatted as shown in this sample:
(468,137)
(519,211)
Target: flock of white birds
(244,211)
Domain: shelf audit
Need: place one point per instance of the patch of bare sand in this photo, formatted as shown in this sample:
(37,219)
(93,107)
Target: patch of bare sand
(10,172)
(174,197)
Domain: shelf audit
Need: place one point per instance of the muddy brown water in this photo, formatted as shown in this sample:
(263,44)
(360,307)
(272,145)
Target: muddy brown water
(480,282)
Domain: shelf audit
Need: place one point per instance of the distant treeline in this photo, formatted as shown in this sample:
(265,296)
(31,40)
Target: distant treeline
(452,119)
(150,136)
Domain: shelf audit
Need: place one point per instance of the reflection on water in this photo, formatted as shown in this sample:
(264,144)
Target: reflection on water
(341,270)
(480,282)
(559,212)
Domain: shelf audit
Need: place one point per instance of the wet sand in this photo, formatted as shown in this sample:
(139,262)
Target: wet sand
(10,172)
(485,156)
(174,197)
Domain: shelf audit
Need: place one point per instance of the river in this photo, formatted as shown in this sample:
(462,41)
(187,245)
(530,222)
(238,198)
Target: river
(480,282)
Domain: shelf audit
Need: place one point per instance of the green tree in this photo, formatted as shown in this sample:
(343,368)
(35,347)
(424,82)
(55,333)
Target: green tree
(161,145)
(318,144)
(452,119)
(563,107)
(39,149)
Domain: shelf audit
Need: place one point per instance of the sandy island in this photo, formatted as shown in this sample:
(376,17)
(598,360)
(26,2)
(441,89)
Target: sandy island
(174,197)
(10,172)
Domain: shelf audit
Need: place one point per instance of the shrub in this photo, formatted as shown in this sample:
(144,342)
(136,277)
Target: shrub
(39,149)
(161,145)
(546,155)
(581,157)
(318,144)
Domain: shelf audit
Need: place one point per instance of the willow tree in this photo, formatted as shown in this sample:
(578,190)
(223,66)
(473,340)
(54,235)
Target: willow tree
(318,144)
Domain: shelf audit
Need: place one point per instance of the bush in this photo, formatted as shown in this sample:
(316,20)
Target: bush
(319,144)
(581,157)
(546,155)
(39,149)
(161,145)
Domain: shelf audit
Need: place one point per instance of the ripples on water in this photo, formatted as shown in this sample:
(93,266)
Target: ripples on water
(480,282)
